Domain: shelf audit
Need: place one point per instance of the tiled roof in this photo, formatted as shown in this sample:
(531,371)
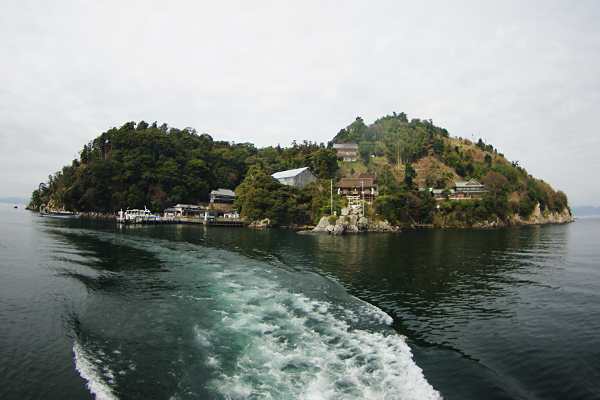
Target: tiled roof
(345,146)
(472,182)
(355,182)
(223,192)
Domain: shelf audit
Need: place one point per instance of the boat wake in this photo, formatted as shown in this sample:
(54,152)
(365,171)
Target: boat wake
(240,328)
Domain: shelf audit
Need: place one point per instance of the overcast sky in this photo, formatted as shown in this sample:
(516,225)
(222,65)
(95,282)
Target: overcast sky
(522,75)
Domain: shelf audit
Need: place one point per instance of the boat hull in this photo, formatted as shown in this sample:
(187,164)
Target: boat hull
(61,215)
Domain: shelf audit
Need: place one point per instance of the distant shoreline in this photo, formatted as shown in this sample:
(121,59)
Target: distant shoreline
(15,200)
(585,211)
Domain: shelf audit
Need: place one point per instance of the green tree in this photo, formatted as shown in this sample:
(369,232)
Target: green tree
(390,208)
(260,196)
(365,149)
(388,184)
(356,130)
(409,174)
(526,207)
(488,159)
(495,183)
(446,193)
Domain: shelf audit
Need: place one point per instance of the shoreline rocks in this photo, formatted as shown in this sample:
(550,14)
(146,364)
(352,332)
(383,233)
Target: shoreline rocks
(265,223)
(352,225)
(537,217)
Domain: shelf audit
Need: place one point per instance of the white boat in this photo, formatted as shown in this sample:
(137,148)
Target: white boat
(58,214)
(136,216)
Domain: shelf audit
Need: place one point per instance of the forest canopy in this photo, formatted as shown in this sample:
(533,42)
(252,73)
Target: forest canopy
(146,165)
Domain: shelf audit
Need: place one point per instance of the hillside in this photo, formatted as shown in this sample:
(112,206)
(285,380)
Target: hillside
(141,165)
(418,154)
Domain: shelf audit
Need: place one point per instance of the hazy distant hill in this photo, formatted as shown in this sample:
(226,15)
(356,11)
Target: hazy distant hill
(585,211)
(15,200)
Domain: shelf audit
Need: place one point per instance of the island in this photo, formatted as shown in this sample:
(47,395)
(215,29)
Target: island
(390,175)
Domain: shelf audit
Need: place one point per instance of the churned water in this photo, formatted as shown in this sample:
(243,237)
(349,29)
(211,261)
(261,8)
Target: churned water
(176,312)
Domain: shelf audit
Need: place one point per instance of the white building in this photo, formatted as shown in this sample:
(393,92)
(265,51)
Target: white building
(295,177)
(184,210)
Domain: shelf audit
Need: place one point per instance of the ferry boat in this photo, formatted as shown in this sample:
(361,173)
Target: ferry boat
(136,216)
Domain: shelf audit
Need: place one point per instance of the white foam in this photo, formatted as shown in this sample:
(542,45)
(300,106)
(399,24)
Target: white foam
(296,347)
(90,371)
(213,362)
(377,313)
(267,342)
(202,337)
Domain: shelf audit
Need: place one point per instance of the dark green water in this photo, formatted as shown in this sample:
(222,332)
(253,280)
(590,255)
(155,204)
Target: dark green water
(187,312)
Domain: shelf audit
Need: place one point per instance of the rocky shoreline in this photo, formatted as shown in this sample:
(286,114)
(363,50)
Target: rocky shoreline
(537,217)
(351,225)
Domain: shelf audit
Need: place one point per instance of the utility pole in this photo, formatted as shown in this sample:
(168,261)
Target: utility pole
(362,184)
(331,187)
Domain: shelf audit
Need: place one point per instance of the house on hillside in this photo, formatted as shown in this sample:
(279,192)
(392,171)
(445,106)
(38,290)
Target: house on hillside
(346,151)
(221,196)
(462,190)
(221,199)
(472,188)
(352,187)
(439,194)
(184,210)
(295,177)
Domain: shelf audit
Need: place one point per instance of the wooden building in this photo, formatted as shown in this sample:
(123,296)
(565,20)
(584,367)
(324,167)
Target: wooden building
(222,196)
(346,151)
(372,175)
(468,189)
(358,187)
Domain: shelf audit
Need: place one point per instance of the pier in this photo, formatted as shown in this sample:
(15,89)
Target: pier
(227,222)
(231,222)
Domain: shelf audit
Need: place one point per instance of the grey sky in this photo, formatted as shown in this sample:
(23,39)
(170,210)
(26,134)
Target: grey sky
(522,75)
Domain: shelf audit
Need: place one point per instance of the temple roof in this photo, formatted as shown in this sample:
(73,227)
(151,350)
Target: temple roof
(355,182)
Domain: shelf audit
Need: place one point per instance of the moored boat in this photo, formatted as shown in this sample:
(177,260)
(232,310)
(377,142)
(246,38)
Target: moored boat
(136,216)
(58,214)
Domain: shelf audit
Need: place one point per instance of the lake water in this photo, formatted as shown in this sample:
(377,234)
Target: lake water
(88,309)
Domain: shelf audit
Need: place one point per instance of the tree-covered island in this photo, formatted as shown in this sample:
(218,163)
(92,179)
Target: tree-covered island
(418,169)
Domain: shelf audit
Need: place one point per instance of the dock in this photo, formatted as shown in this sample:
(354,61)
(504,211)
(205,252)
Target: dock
(422,226)
(227,222)
(231,222)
